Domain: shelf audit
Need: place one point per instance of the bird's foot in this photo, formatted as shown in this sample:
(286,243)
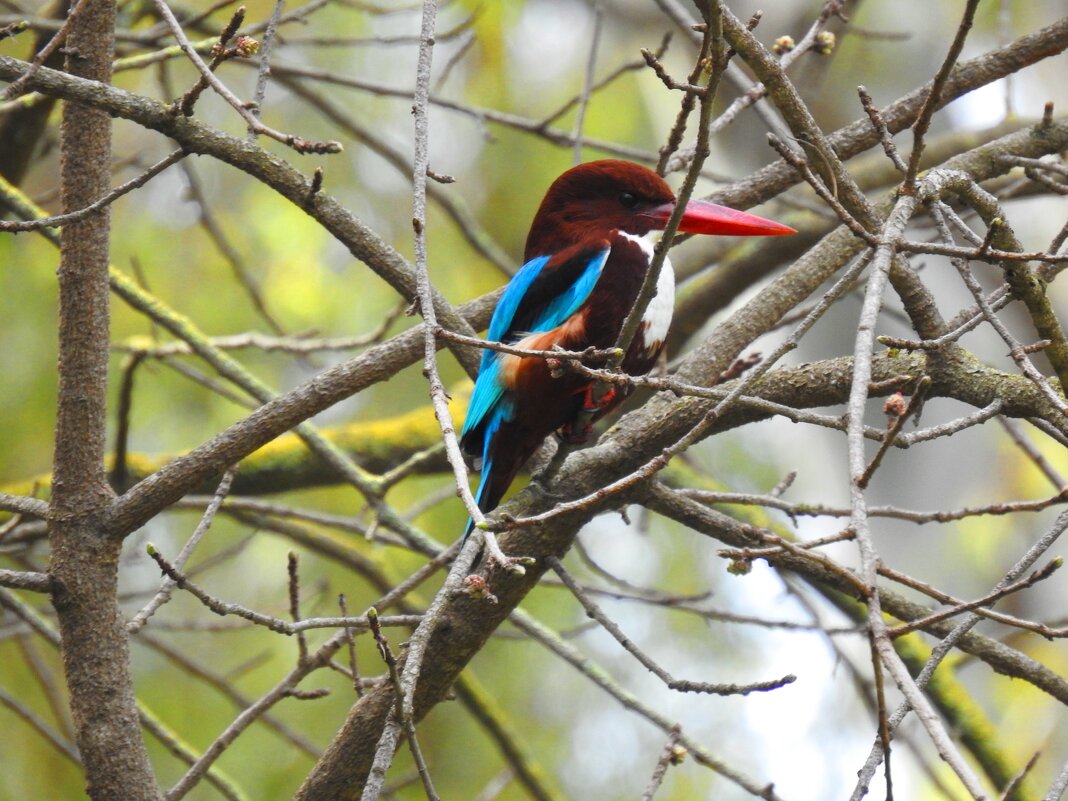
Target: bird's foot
(578,431)
(575,432)
(594,402)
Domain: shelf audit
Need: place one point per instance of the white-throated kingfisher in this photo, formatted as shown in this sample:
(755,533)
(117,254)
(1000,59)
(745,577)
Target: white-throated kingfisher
(586,256)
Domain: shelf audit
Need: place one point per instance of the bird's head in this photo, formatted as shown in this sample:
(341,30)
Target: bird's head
(599,197)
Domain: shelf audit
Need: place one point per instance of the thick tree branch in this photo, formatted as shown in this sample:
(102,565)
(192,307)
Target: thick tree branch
(83,562)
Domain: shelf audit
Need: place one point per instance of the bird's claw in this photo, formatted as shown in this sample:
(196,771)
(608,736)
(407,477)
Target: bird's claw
(575,433)
(578,431)
(594,403)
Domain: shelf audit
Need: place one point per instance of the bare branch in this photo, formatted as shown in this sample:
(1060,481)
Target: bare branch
(923,119)
(595,612)
(298,143)
(25,580)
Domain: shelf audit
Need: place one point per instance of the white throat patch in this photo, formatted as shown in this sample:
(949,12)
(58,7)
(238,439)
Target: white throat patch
(657,317)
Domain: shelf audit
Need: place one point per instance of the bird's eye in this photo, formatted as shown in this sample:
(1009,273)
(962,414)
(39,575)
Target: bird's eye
(628,200)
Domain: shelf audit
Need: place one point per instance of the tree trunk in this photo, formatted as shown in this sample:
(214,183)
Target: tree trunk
(84,561)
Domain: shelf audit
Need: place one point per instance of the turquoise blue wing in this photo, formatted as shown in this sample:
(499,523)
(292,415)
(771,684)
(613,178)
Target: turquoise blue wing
(573,278)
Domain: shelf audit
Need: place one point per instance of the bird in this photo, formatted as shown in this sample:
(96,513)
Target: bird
(589,248)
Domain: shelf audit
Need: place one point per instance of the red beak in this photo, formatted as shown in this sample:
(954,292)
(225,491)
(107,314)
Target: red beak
(701,217)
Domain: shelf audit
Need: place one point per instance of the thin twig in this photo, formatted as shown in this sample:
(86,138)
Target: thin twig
(595,612)
(219,53)
(934,96)
(671,755)
(1004,618)
(350,644)
(879,124)
(163,595)
(17,86)
(264,70)
(299,144)
(587,85)
(986,600)
(404,713)
(293,569)
(897,422)
(58,220)
(399,712)
(25,580)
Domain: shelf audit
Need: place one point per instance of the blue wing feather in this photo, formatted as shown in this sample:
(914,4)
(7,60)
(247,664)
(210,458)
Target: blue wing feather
(490,405)
(502,412)
(568,302)
(488,387)
(487,392)
(501,322)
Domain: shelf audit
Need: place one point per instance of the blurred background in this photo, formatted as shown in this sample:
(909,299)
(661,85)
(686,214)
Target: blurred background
(345,70)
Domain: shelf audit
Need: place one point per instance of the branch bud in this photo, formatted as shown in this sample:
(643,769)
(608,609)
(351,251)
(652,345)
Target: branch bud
(782,45)
(825,42)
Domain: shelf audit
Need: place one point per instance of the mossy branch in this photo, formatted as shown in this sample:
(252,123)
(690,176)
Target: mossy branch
(286,463)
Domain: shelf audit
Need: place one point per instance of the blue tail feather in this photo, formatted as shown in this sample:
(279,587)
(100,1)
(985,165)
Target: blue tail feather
(501,413)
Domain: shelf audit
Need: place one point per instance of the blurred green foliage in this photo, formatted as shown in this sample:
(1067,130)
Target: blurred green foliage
(527,59)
